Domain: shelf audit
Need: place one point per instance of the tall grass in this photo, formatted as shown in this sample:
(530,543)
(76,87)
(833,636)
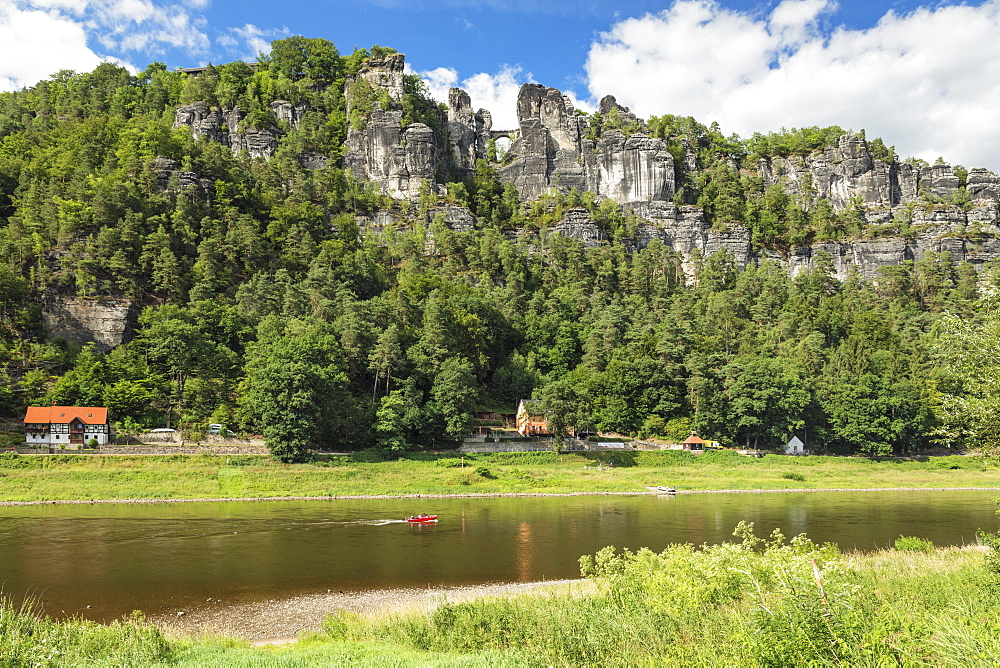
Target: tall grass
(749,603)
(28,639)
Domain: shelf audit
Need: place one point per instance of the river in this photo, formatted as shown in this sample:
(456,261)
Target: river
(103,561)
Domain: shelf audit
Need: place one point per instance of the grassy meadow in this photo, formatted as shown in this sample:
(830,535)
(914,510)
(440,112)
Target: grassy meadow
(83,477)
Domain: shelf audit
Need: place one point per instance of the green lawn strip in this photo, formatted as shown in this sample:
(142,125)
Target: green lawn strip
(27,478)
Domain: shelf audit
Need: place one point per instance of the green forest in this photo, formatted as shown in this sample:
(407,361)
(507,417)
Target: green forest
(265,305)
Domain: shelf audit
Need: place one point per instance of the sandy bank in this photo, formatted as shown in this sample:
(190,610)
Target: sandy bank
(276,621)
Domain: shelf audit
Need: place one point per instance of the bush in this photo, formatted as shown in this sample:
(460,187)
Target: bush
(522,458)
(727,457)
(450,462)
(793,476)
(651,458)
(32,640)
(12,460)
(913,544)
(484,472)
(957,462)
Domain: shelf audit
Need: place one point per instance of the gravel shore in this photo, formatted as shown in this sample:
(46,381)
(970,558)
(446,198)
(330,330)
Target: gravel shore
(273,622)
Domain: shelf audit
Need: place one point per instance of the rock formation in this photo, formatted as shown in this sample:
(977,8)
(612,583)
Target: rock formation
(227,126)
(577,224)
(554,152)
(103,321)
(468,132)
(556,149)
(400,160)
(170,176)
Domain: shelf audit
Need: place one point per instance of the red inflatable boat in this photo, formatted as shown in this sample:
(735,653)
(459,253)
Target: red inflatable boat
(420,519)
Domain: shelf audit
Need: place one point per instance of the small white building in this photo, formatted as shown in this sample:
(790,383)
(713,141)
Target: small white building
(65,426)
(795,447)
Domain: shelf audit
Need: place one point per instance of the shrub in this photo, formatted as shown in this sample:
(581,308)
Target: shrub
(954,462)
(449,462)
(12,460)
(522,458)
(913,544)
(484,472)
(727,457)
(790,475)
(652,458)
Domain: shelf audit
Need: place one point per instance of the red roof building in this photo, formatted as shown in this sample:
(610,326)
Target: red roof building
(692,442)
(65,426)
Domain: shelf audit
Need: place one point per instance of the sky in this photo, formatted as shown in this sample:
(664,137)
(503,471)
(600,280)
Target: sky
(924,77)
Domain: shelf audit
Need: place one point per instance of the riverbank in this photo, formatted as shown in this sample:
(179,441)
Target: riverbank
(192,478)
(498,495)
(281,621)
(744,603)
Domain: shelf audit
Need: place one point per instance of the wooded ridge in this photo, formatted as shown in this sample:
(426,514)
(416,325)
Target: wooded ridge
(314,249)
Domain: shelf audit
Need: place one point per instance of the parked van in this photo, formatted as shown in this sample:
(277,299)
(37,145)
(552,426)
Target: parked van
(214,429)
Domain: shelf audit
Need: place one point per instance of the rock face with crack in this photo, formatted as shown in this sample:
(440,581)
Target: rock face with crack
(104,321)
(553,152)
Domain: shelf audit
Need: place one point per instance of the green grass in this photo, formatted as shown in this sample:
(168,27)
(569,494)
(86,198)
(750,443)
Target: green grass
(69,477)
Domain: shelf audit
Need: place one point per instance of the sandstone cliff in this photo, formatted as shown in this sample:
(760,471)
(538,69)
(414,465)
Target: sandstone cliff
(552,152)
(556,149)
(228,126)
(104,321)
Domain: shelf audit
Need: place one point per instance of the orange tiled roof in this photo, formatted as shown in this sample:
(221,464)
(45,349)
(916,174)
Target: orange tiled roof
(65,414)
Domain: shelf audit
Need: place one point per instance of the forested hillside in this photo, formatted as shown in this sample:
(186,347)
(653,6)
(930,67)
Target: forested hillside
(279,295)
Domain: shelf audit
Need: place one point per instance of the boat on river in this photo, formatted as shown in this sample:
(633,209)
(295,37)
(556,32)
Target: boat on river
(421,519)
(662,489)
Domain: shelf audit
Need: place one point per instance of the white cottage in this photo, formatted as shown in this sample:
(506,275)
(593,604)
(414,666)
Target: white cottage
(795,447)
(65,426)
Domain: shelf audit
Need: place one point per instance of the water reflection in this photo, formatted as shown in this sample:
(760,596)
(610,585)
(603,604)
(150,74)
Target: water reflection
(160,557)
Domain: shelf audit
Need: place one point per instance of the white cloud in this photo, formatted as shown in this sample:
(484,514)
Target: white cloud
(40,37)
(494,92)
(438,81)
(924,81)
(35,44)
(250,41)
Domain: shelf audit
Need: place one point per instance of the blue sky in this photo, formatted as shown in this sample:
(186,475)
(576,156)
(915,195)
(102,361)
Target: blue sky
(922,76)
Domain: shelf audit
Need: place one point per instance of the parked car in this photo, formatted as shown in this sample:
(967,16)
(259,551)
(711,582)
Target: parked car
(214,429)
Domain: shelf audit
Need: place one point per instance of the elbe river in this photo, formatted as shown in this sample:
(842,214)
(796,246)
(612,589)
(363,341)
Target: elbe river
(103,561)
